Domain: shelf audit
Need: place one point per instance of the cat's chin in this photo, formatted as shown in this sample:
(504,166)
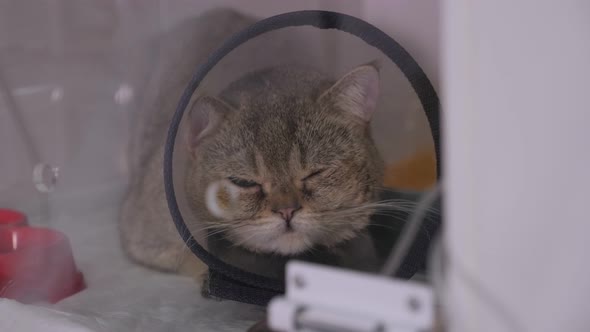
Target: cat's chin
(287,244)
(291,243)
(272,240)
(270,236)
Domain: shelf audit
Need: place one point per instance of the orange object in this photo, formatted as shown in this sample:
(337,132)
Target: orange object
(418,172)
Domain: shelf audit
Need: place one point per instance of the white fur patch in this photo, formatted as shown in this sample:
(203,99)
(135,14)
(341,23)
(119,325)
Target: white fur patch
(212,198)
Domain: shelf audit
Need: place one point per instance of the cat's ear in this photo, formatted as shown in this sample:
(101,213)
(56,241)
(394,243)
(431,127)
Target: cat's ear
(205,116)
(356,92)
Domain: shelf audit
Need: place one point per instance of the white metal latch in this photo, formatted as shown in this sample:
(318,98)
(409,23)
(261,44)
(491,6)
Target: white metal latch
(326,299)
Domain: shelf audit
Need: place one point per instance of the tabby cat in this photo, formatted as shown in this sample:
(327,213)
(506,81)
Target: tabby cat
(281,164)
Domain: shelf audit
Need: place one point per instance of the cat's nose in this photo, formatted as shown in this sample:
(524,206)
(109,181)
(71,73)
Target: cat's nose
(287,212)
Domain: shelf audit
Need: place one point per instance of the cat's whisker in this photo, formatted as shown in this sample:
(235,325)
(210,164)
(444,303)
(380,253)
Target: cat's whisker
(183,252)
(398,218)
(394,204)
(246,239)
(342,211)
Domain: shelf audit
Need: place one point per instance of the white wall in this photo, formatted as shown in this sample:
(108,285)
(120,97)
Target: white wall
(515,76)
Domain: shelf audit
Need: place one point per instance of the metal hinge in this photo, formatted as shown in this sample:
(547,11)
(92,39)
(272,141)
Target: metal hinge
(327,299)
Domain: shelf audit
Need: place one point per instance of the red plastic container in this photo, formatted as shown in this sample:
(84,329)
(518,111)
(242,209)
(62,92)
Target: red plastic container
(11,218)
(36,265)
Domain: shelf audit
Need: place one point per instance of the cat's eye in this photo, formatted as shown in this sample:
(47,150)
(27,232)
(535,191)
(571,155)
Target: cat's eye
(242,182)
(313,174)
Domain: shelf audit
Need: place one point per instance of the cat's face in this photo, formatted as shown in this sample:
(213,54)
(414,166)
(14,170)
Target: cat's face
(291,169)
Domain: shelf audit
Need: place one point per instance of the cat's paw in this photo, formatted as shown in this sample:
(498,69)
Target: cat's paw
(192,267)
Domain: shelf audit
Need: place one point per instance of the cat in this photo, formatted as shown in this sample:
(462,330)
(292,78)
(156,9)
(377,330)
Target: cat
(281,164)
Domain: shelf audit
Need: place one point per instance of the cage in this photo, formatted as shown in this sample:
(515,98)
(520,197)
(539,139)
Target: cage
(89,90)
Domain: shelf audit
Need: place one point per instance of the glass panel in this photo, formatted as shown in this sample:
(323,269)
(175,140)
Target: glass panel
(87,93)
